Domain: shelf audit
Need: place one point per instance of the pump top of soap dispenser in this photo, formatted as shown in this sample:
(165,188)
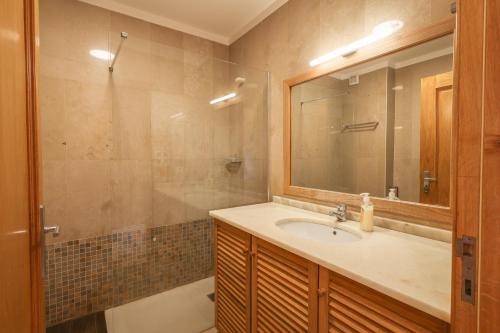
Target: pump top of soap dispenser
(392,194)
(365,198)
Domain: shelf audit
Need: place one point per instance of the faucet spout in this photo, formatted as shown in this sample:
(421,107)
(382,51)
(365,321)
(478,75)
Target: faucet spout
(340,212)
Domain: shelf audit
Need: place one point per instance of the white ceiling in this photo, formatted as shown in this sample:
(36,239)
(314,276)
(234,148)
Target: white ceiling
(222,21)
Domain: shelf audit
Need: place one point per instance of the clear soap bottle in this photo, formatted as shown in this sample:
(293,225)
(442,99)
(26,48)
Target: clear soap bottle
(366,217)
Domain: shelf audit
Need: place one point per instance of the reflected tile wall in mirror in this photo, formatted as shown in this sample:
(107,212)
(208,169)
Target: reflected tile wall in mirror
(380,125)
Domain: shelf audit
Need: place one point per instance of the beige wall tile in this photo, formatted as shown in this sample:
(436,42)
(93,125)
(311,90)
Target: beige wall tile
(169,171)
(141,145)
(131,193)
(341,22)
(53,117)
(131,123)
(169,204)
(194,44)
(303,33)
(198,201)
(92,72)
(166,36)
(88,121)
(168,117)
(88,204)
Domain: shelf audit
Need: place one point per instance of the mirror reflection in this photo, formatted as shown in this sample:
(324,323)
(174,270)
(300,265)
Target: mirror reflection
(382,127)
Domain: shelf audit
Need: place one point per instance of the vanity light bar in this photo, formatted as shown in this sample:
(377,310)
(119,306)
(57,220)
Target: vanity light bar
(223,98)
(379,32)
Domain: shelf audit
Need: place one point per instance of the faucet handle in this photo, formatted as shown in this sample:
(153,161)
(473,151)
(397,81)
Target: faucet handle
(340,212)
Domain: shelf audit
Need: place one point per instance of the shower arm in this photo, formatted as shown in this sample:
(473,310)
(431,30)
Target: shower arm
(123,35)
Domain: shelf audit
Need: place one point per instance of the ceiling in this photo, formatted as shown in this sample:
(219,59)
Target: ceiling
(222,21)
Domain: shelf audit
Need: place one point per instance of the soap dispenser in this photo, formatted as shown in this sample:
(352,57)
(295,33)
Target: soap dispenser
(393,194)
(366,218)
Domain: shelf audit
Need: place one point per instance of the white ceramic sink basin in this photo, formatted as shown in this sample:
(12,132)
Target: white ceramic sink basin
(319,230)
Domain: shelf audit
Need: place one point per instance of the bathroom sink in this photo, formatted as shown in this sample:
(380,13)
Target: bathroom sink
(323,231)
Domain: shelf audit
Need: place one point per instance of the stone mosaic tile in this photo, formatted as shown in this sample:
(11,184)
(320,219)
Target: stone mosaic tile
(90,275)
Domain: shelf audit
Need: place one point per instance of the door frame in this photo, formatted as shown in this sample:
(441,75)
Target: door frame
(430,140)
(468,147)
(31,34)
(468,161)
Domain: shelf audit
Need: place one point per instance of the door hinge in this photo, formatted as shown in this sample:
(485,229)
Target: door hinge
(466,249)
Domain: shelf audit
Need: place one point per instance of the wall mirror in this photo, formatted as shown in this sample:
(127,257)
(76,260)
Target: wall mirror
(382,126)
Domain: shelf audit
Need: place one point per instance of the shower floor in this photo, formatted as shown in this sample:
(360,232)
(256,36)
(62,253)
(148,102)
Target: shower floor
(185,309)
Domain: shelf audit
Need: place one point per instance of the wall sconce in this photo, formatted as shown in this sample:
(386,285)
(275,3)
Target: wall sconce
(379,32)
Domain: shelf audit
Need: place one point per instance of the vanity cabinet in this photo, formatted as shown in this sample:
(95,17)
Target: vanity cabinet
(347,306)
(232,279)
(261,287)
(284,290)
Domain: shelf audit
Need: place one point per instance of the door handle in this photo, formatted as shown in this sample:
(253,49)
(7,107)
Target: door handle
(427,181)
(54,229)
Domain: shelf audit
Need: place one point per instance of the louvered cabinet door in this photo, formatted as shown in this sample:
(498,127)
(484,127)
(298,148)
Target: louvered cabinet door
(347,306)
(232,279)
(284,290)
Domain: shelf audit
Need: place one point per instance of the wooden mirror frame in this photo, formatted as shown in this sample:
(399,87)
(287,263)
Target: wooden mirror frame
(432,215)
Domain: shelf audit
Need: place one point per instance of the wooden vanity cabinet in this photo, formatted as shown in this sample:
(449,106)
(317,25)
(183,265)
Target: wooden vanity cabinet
(262,288)
(284,290)
(232,279)
(347,306)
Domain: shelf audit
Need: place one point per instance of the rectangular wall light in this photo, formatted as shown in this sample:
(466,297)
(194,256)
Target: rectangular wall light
(379,32)
(223,98)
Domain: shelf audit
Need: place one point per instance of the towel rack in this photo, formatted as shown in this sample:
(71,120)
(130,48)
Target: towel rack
(371,125)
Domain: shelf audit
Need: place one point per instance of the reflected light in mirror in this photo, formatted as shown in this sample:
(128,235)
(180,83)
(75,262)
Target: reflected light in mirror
(223,98)
(379,32)
(102,54)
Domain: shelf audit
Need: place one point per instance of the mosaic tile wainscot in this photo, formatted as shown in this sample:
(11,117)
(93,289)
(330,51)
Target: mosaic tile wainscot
(93,274)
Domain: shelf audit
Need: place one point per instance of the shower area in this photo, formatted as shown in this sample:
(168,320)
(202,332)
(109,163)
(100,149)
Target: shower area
(133,160)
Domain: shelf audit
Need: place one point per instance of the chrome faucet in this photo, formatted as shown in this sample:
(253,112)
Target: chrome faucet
(340,212)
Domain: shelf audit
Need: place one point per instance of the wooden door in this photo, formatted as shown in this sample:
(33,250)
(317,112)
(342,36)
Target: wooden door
(284,290)
(347,306)
(435,138)
(489,297)
(468,84)
(20,275)
(232,279)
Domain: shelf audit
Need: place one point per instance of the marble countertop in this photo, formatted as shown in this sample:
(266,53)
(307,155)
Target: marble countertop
(411,269)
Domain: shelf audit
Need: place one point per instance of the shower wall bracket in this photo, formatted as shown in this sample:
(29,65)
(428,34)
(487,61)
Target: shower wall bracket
(123,36)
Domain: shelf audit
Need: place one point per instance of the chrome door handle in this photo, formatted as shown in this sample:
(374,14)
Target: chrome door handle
(54,229)
(427,181)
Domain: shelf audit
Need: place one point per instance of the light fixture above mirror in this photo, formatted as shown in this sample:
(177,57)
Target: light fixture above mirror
(379,32)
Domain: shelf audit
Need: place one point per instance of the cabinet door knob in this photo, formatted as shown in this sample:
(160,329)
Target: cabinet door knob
(321,292)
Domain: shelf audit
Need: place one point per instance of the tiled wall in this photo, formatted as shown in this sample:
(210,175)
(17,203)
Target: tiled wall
(142,145)
(327,158)
(139,148)
(317,111)
(301,30)
(94,274)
